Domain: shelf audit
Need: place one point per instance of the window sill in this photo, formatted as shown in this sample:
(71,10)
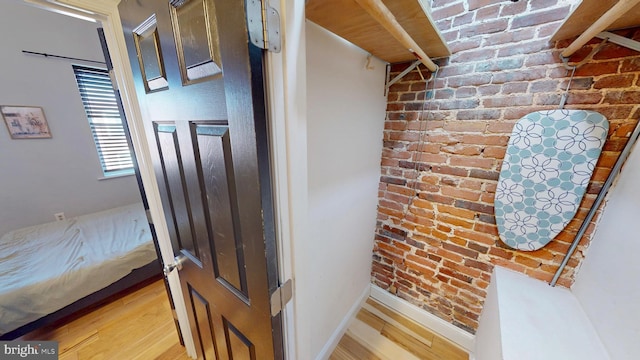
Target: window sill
(116,176)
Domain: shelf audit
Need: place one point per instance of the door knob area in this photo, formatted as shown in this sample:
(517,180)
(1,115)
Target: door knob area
(176,264)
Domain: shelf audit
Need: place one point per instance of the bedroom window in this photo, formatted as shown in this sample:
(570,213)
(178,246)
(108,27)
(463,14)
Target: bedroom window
(100,105)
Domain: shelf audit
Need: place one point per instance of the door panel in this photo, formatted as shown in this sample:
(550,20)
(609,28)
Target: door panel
(214,149)
(238,346)
(176,194)
(212,165)
(147,44)
(204,323)
(196,33)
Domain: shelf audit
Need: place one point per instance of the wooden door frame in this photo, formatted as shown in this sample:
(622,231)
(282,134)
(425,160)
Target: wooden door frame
(288,119)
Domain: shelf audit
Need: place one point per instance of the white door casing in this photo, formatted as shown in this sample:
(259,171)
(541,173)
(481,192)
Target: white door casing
(283,107)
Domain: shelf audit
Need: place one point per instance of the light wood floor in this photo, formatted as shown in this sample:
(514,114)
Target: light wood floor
(136,326)
(379,333)
(140,326)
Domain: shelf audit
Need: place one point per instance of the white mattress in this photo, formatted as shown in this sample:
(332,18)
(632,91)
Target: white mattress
(45,267)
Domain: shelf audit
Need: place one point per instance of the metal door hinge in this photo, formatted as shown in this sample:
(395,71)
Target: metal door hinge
(112,77)
(281,297)
(263,23)
(149,218)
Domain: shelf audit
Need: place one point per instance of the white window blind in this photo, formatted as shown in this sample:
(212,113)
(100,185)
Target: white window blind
(101,107)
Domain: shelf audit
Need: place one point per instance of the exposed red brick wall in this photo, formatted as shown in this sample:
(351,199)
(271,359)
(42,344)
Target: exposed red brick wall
(436,239)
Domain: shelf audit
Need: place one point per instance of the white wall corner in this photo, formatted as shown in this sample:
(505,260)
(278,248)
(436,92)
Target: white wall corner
(443,328)
(334,339)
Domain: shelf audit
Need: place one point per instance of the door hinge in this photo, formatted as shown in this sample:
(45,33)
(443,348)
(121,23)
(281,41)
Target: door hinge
(149,218)
(263,23)
(112,77)
(281,297)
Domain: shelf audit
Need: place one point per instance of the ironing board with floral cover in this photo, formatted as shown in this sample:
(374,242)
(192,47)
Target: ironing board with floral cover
(550,158)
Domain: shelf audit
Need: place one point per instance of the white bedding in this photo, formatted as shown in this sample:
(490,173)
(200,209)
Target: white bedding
(45,267)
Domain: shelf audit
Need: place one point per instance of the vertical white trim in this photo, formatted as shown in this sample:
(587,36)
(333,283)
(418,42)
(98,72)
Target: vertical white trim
(425,318)
(275,85)
(107,12)
(286,90)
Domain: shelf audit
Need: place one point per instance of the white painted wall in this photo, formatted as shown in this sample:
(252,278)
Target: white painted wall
(345,120)
(41,177)
(608,284)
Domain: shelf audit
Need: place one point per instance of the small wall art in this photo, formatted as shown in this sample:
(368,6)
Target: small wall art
(25,122)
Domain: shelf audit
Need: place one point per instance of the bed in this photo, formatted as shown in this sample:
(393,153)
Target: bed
(59,267)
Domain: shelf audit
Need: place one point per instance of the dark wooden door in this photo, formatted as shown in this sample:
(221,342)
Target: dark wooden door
(200,84)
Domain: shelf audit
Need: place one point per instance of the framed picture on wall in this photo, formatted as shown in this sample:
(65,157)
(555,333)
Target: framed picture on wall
(25,122)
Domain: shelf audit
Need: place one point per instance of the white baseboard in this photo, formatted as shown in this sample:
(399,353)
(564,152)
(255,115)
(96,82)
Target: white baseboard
(333,341)
(447,330)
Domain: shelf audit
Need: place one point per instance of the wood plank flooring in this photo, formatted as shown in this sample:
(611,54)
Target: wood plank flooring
(379,333)
(140,326)
(136,326)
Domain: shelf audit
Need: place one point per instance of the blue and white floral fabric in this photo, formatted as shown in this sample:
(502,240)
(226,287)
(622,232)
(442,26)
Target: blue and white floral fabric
(549,161)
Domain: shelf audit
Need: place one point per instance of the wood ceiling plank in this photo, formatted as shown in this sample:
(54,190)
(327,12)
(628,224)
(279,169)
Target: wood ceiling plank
(590,11)
(628,20)
(348,20)
(417,21)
